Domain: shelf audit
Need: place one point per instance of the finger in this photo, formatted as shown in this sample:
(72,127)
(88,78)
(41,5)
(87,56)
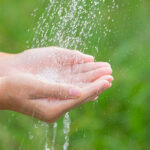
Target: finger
(92,90)
(63,106)
(108,78)
(61,91)
(76,57)
(72,56)
(110,84)
(79,68)
(93,75)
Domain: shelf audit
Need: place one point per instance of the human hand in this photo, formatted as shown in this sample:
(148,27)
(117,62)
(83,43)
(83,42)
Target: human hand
(26,94)
(57,66)
(35,60)
(53,63)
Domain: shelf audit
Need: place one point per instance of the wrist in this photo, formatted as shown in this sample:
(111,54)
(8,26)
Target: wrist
(2,54)
(6,63)
(3,101)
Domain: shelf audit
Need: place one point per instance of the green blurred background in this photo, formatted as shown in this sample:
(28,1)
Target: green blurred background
(120,120)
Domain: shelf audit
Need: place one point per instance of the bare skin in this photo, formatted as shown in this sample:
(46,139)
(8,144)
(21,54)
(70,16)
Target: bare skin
(80,80)
(35,60)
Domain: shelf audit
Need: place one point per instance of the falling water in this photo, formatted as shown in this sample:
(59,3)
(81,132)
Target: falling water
(74,24)
(49,76)
(66,123)
(46,145)
(54,136)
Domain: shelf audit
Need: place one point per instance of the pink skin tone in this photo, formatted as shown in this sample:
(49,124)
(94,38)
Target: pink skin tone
(80,80)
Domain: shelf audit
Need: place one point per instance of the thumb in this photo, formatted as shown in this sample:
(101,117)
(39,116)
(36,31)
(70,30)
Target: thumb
(56,90)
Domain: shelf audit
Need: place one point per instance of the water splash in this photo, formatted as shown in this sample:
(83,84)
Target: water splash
(48,75)
(74,24)
(66,130)
(54,136)
(46,144)
(47,147)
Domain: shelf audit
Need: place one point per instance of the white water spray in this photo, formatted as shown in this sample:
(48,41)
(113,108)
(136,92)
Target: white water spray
(71,24)
(54,136)
(66,123)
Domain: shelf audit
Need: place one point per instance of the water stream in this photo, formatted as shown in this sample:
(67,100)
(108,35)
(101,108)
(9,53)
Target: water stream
(66,123)
(54,136)
(73,24)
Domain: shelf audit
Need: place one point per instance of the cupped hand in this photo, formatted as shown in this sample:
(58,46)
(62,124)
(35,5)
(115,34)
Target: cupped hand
(47,82)
(26,94)
(61,65)
(55,64)
(35,60)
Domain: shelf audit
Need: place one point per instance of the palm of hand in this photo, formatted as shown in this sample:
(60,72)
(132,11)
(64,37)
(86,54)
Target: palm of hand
(61,66)
(81,75)
(35,60)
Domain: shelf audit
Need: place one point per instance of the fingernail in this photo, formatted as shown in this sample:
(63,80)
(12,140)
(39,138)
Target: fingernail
(74,92)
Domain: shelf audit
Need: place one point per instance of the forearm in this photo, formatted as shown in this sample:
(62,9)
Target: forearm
(4,59)
(2,54)
(6,63)
(3,104)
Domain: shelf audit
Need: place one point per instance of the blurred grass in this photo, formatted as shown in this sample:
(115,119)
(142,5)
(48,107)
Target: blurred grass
(120,119)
